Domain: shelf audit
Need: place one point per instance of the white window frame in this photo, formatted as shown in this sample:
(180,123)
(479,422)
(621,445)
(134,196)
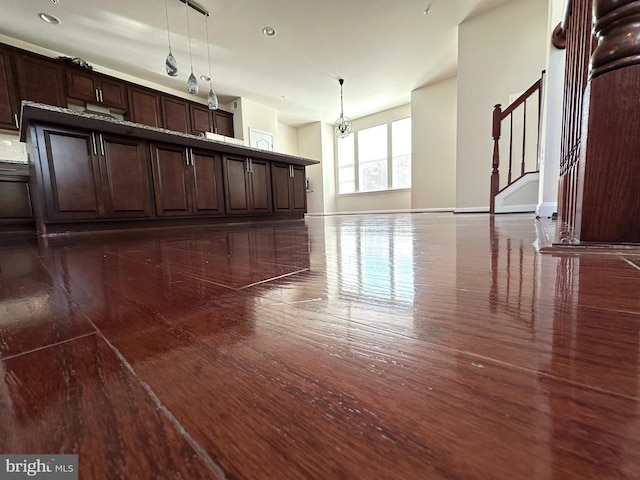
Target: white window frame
(356,163)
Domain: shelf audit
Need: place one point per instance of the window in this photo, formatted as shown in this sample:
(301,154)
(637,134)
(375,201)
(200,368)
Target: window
(346,165)
(375,158)
(372,158)
(401,153)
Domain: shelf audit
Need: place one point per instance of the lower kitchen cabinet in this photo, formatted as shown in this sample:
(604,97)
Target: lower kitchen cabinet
(87,173)
(69,174)
(247,184)
(289,188)
(187,181)
(126,176)
(15,204)
(208,190)
(84,175)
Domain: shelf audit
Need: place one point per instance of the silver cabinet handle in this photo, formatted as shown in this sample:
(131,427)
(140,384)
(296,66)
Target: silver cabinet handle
(15,117)
(101,96)
(101,144)
(93,143)
(250,166)
(97,95)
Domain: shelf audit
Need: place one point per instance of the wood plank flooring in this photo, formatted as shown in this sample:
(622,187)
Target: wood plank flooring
(412,346)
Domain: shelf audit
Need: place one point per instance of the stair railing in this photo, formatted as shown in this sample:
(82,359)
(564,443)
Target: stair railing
(499,116)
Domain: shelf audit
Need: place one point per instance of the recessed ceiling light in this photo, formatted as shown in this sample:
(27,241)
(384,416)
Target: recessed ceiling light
(269,31)
(55,2)
(204,78)
(45,17)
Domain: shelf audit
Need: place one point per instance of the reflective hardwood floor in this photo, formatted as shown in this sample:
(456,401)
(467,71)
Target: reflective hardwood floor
(417,346)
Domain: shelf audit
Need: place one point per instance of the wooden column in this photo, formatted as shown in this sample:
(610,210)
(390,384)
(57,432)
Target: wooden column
(608,196)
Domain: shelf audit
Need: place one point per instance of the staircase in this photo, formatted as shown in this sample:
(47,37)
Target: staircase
(517,190)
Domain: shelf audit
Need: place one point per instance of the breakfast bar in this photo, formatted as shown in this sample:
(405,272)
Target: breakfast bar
(89,172)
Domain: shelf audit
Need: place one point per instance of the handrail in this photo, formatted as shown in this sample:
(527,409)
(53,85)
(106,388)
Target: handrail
(498,116)
(566,16)
(522,98)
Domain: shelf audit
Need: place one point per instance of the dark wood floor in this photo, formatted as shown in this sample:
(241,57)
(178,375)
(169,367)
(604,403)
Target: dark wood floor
(351,347)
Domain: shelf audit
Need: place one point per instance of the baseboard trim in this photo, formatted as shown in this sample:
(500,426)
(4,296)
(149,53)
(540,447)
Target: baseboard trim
(383,212)
(472,210)
(547,209)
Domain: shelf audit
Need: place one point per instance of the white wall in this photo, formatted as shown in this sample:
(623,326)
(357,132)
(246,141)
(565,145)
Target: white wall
(310,146)
(552,119)
(287,139)
(248,114)
(433,119)
(500,52)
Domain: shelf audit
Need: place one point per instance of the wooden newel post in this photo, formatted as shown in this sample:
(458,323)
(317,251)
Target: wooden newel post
(495,166)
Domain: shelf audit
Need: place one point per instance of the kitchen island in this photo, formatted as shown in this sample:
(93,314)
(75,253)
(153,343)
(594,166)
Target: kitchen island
(90,172)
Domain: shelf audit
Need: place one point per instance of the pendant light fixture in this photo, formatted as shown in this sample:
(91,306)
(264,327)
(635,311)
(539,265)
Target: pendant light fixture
(212,98)
(192,81)
(170,63)
(342,126)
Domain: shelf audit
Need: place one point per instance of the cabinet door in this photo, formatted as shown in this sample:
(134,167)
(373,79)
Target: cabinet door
(125,176)
(39,80)
(260,175)
(201,119)
(281,178)
(169,166)
(208,193)
(223,123)
(175,114)
(236,185)
(9,108)
(15,206)
(71,177)
(299,189)
(113,93)
(82,85)
(144,107)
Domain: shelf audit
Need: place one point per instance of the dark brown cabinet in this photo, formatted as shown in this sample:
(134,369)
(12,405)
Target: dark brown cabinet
(9,105)
(125,173)
(25,76)
(175,114)
(289,188)
(187,181)
(144,107)
(86,175)
(214,121)
(39,79)
(15,205)
(247,185)
(94,88)
(208,190)
(201,119)
(223,123)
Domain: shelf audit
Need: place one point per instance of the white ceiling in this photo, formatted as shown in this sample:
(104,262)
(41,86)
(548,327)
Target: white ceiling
(382,48)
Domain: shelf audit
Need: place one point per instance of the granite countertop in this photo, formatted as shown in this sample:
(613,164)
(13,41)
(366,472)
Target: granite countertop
(39,112)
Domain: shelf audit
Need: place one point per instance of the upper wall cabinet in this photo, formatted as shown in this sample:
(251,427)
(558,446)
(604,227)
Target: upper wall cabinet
(201,119)
(223,123)
(24,76)
(214,121)
(94,88)
(9,106)
(175,114)
(29,76)
(144,107)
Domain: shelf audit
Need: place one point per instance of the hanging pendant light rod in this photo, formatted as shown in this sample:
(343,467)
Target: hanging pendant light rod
(196,6)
